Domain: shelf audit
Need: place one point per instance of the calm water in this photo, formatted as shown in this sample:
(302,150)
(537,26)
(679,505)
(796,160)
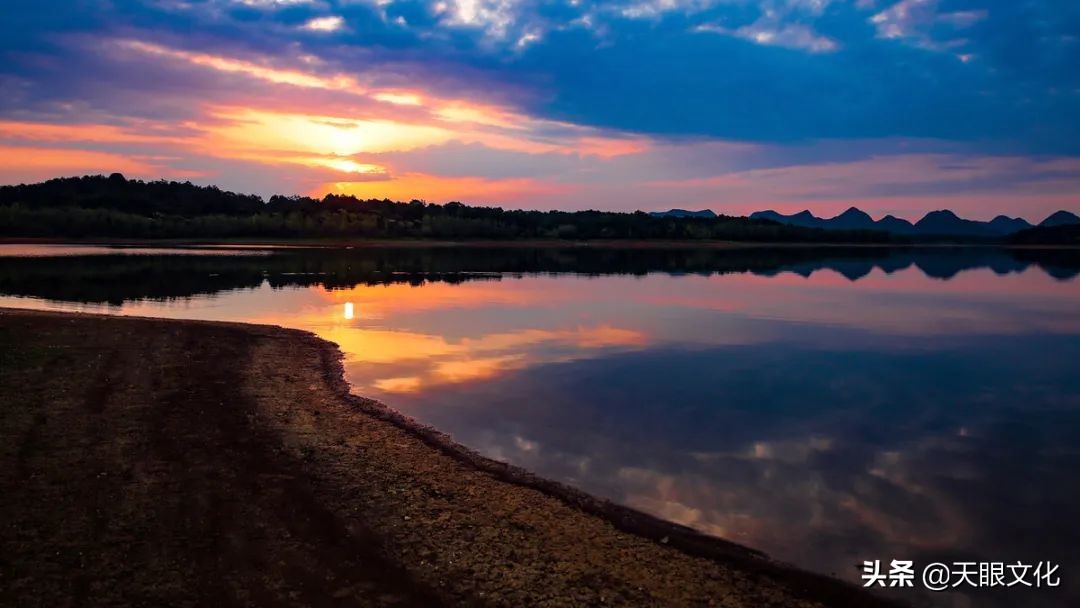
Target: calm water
(825,406)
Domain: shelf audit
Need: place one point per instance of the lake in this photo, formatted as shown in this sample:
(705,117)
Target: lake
(827,406)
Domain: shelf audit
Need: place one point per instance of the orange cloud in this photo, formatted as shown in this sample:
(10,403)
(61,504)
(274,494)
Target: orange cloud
(46,132)
(606,147)
(274,75)
(462,112)
(468,120)
(251,129)
(49,162)
(401,99)
(392,121)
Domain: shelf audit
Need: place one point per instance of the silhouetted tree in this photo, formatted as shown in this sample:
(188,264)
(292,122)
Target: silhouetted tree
(117,207)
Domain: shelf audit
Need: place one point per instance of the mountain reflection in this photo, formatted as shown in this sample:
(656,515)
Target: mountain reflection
(151,274)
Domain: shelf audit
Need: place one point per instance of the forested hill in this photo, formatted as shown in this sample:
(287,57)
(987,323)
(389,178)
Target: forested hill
(100,206)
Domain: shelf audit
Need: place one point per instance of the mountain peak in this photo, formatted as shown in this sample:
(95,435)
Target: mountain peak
(1004,224)
(892,223)
(852,219)
(803,218)
(1060,218)
(941,222)
(942,214)
(854,212)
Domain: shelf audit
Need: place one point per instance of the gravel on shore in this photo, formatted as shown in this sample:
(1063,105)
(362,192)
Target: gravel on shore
(185,463)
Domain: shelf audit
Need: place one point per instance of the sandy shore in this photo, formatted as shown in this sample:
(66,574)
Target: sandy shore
(152,462)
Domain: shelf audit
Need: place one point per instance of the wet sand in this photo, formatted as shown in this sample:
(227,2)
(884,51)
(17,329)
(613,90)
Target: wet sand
(154,462)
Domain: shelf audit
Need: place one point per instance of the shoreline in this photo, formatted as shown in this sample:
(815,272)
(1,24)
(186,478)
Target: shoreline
(834,592)
(345,408)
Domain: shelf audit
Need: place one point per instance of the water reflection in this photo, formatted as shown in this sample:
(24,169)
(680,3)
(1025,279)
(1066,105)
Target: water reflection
(117,275)
(827,406)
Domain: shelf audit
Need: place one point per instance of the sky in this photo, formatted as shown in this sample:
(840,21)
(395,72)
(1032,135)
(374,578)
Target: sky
(895,106)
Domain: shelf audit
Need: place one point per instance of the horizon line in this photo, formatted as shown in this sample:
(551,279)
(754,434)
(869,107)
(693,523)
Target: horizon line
(266,199)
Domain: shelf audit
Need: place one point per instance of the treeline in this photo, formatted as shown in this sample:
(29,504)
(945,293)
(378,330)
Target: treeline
(1048,235)
(99,206)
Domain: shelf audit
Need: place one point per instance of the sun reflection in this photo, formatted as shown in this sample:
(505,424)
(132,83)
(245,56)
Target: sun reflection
(348,311)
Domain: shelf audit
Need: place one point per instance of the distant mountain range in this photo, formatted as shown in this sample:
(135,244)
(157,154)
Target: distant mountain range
(935,223)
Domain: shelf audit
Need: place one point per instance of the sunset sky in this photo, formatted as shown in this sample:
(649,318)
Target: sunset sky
(895,106)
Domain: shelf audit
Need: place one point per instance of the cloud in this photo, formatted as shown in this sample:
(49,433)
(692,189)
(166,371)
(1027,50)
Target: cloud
(917,20)
(584,103)
(33,163)
(272,3)
(792,36)
(325,24)
(491,17)
(1005,76)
